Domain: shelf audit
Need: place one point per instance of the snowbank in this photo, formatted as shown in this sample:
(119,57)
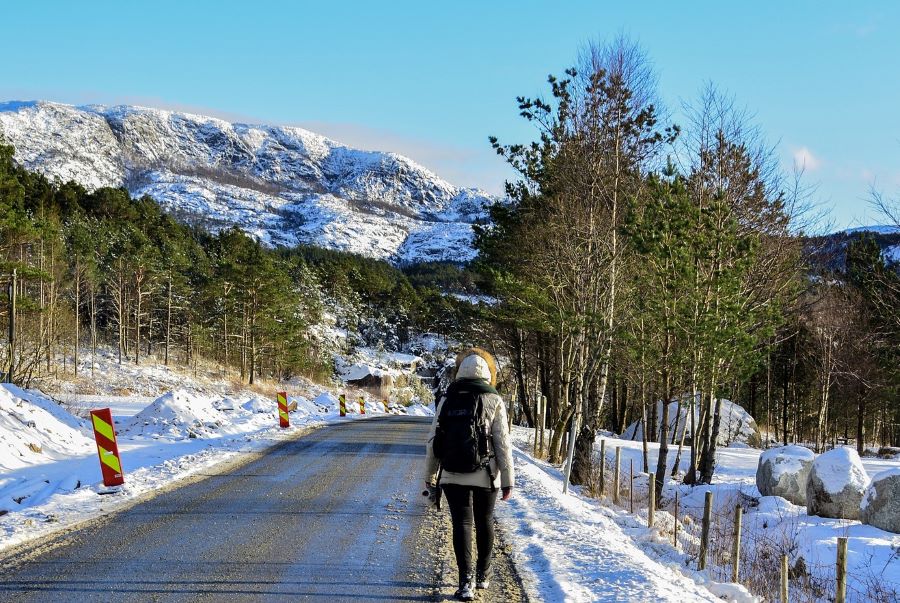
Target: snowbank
(35,430)
(420,410)
(49,474)
(177,414)
(775,522)
(570,548)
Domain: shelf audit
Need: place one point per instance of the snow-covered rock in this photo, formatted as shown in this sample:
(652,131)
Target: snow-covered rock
(420,410)
(784,472)
(328,401)
(177,414)
(259,405)
(880,505)
(283,185)
(736,424)
(836,484)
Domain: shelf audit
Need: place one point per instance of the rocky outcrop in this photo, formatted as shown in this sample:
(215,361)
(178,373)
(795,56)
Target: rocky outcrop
(836,484)
(784,472)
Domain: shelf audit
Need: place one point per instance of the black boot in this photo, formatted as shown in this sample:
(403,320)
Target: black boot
(483,578)
(466,591)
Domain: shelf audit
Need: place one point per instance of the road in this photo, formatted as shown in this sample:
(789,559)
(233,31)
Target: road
(336,514)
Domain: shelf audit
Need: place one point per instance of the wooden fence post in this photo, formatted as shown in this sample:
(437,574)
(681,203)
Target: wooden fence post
(840,595)
(12,328)
(651,506)
(631,488)
(616,474)
(736,545)
(542,421)
(602,467)
(675,535)
(784,579)
(704,537)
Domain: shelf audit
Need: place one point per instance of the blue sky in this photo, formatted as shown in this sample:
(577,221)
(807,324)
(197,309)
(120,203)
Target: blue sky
(433,80)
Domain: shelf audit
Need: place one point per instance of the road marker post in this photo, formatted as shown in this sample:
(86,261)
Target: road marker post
(362,405)
(385,402)
(283,418)
(107,448)
(342,404)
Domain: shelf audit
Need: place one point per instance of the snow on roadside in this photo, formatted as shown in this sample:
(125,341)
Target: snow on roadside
(774,523)
(873,553)
(49,473)
(571,548)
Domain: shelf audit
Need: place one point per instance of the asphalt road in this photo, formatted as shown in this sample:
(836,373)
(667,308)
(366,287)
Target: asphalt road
(334,515)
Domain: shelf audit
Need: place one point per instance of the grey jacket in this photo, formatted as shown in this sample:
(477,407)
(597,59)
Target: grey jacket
(501,464)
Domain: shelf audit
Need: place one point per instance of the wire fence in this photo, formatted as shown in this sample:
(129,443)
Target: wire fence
(739,546)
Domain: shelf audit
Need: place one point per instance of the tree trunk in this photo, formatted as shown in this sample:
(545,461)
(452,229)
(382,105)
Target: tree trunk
(93,328)
(253,344)
(708,461)
(861,423)
(168,320)
(663,428)
(784,409)
(583,463)
(77,313)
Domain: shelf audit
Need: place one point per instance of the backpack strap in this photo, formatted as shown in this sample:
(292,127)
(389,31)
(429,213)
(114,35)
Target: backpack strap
(482,422)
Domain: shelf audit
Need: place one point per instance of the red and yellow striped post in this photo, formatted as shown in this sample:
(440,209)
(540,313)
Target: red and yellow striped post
(385,402)
(362,405)
(342,404)
(283,418)
(107,448)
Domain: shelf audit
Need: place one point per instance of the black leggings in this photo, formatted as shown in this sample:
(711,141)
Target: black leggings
(470,505)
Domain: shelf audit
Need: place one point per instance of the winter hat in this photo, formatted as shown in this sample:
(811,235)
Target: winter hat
(476,363)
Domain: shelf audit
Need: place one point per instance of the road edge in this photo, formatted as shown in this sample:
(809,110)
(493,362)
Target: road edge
(18,553)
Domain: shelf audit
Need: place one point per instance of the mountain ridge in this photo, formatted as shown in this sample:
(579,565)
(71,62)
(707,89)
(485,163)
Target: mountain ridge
(285,185)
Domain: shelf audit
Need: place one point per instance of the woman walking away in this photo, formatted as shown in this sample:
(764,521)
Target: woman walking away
(469,455)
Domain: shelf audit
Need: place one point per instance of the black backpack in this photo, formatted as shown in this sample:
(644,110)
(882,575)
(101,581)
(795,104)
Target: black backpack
(462,440)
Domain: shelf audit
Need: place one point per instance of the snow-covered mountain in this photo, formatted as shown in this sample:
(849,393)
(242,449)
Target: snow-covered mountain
(284,185)
(830,251)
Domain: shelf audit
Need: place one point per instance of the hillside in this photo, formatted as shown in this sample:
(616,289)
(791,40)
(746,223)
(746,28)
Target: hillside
(283,185)
(828,252)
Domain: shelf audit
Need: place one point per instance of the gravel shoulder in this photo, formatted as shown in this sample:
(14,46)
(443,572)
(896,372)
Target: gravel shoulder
(434,540)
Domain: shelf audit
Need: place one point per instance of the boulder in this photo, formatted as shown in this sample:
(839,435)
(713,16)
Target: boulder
(880,505)
(736,424)
(784,472)
(836,484)
(889,452)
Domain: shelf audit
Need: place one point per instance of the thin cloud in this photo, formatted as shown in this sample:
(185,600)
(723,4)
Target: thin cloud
(805,160)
